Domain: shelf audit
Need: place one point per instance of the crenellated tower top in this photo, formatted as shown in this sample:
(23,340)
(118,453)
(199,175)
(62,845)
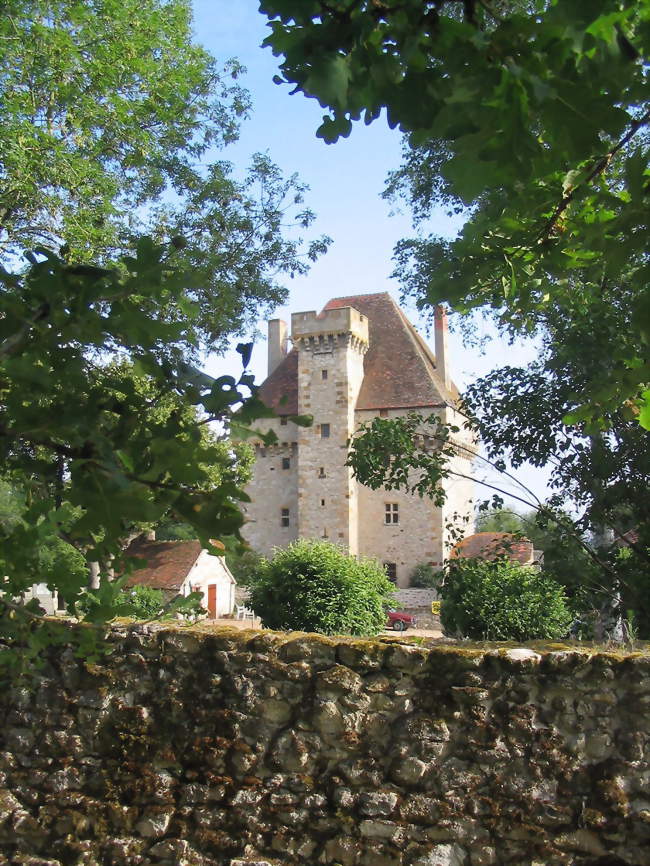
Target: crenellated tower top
(329,330)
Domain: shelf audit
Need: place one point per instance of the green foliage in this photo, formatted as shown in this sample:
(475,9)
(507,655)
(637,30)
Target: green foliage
(245,565)
(172,530)
(142,602)
(98,449)
(111,119)
(424,576)
(533,118)
(110,115)
(501,520)
(521,414)
(314,586)
(410,452)
(502,601)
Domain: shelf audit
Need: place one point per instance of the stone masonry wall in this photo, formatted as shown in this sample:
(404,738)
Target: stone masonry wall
(273,488)
(191,747)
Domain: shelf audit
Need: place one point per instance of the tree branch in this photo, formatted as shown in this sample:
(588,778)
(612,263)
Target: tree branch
(596,170)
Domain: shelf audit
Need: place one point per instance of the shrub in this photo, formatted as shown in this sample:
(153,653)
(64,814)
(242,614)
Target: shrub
(315,586)
(423,576)
(142,602)
(501,600)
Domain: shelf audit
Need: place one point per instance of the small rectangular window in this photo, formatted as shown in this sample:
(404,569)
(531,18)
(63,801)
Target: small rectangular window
(321,472)
(391,571)
(324,431)
(283,422)
(383,413)
(323,374)
(284,517)
(286,462)
(322,502)
(391,514)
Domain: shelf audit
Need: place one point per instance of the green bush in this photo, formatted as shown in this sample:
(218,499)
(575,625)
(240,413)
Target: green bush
(142,602)
(501,600)
(423,576)
(314,586)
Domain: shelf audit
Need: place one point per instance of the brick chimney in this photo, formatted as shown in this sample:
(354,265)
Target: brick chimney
(278,333)
(442,348)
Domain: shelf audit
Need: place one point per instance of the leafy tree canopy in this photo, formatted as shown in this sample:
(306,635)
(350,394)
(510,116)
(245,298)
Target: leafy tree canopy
(531,116)
(95,450)
(112,119)
(143,251)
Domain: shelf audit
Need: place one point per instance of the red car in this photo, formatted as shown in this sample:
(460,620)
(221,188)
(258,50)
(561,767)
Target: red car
(400,621)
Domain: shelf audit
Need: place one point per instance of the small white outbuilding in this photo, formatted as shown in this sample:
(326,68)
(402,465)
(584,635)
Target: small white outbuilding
(182,567)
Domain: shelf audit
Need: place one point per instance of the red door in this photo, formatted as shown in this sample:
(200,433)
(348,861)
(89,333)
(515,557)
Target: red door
(212,600)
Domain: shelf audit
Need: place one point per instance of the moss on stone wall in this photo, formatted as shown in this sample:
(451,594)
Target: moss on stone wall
(204,746)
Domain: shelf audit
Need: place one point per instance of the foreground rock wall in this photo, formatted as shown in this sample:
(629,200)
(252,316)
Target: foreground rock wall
(233,747)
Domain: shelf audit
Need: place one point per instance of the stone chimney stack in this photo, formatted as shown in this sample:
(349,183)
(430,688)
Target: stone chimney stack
(442,348)
(278,333)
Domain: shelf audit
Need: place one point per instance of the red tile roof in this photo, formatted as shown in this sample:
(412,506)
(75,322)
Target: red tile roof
(168,562)
(399,368)
(280,390)
(490,545)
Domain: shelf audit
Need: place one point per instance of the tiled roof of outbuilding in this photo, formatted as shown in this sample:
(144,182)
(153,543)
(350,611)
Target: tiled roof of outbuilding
(168,562)
(490,545)
(399,368)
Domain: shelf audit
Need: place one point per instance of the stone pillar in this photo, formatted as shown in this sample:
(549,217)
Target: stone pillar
(277,343)
(442,348)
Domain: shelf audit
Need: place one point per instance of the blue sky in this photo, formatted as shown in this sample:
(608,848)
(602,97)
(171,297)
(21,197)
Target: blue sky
(345,180)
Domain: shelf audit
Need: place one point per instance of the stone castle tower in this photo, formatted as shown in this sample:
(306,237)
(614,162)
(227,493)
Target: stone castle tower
(358,359)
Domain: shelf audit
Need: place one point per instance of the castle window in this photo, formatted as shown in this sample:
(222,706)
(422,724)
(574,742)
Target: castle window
(286,462)
(321,472)
(283,421)
(284,517)
(322,502)
(324,431)
(391,514)
(323,374)
(391,571)
(383,413)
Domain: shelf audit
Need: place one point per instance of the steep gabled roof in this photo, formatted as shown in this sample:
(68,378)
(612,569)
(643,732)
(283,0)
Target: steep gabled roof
(168,562)
(400,371)
(399,368)
(280,390)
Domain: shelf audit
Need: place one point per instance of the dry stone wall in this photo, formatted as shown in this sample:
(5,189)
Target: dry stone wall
(228,748)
